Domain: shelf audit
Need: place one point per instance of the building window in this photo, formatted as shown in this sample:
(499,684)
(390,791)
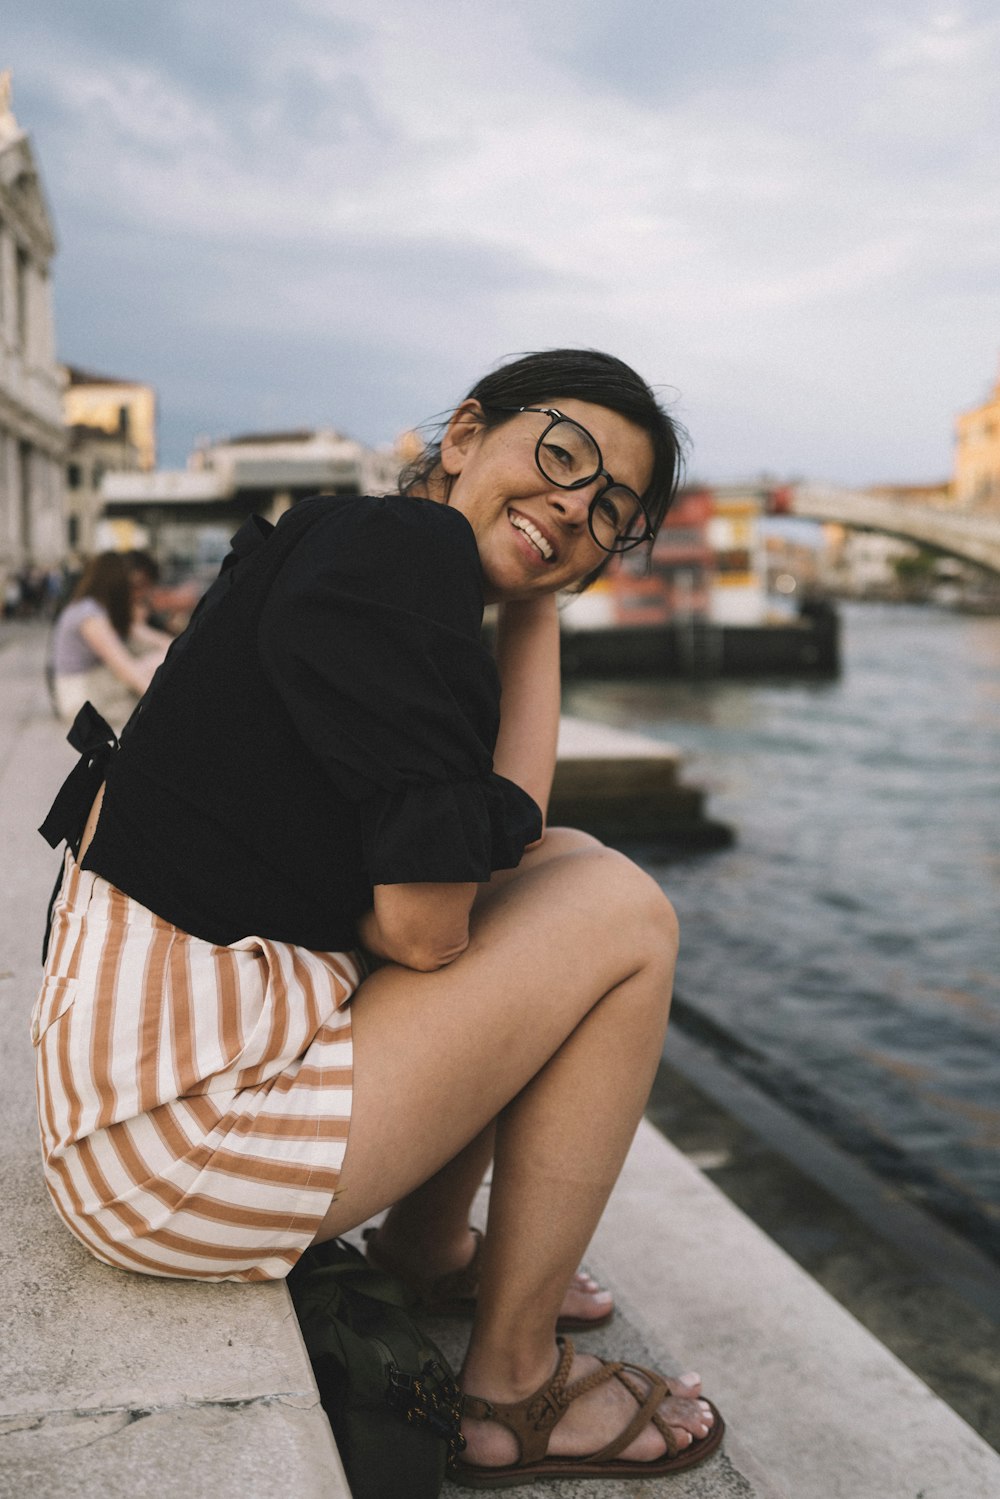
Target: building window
(73,530)
(24,465)
(22,299)
(74,476)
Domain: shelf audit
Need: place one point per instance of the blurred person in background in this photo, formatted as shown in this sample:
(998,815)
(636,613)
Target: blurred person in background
(144,575)
(103,647)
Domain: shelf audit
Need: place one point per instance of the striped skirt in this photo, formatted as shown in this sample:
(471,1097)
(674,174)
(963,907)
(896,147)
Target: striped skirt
(194,1101)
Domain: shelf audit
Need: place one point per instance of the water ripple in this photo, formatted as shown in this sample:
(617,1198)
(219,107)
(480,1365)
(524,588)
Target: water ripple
(852,935)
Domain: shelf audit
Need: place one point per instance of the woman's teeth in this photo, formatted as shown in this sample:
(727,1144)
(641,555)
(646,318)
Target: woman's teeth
(533,534)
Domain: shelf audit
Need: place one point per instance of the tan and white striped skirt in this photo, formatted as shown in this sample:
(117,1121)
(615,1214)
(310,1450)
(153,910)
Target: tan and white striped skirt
(194,1101)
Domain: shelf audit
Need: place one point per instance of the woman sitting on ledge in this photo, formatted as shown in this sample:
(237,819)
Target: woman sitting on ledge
(314,893)
(103,651)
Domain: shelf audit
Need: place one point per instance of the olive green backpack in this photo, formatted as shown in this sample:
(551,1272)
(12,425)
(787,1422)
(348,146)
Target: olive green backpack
(386,1387)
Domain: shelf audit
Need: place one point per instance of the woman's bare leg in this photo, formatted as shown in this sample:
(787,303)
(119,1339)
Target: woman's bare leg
(426,1235)
(553,1020)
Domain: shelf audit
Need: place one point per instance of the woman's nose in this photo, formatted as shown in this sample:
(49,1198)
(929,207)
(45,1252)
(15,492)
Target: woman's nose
(573,504)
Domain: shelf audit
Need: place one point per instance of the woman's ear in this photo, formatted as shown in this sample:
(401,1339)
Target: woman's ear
(461,436)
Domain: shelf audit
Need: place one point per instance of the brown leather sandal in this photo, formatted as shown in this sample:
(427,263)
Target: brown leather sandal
(454,1294)
(532,1420)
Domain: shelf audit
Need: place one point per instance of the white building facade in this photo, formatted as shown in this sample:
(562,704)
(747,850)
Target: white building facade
(32,437)
(186,517)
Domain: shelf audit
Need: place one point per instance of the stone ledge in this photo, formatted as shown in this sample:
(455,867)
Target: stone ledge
(115,1385)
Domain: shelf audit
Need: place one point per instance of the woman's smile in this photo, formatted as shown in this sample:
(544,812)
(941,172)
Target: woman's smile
(536,538)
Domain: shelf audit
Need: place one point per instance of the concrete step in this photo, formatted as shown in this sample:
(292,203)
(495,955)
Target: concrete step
(816,1408)
(117,1385)
(114,1385)
(731,1473)
(812,1399)
(622,785)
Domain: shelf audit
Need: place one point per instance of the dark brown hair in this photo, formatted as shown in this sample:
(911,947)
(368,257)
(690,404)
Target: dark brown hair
(106,579)
(585,375)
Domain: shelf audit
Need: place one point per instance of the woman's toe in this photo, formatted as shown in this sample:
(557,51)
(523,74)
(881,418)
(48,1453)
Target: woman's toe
(586,1300)
(685,1386)
(692,1416)
(704,1421)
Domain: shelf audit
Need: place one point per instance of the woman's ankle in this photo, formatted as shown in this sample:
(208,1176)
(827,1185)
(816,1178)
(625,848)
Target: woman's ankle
(509,1373)
(423,1250)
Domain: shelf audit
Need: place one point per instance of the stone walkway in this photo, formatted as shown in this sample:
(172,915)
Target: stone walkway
(116,1385)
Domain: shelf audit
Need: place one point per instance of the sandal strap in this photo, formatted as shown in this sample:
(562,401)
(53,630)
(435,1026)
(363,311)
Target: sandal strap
(666,1432)
(456,1285)
(431,1294)
(648,1402)
(532,1419)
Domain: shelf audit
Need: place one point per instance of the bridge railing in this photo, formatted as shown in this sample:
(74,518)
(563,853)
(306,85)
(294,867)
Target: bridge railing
(975,538)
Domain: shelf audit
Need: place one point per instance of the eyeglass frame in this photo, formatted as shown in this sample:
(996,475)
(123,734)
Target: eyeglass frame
(556,416)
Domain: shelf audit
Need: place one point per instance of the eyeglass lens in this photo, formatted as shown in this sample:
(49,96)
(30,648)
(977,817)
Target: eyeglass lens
(569,457)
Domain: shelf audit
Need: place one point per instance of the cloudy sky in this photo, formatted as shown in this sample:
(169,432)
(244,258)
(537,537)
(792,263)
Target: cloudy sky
(329,212)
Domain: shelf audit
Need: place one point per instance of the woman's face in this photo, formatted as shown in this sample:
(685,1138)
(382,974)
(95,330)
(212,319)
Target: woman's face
(533,537)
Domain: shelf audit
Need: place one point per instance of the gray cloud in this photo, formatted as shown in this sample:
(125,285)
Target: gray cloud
(328,213)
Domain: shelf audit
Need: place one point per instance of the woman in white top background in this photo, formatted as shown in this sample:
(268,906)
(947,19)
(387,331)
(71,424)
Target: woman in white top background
(102,647)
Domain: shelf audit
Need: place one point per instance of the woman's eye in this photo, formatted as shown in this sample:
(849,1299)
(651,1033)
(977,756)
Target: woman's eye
(559,455)
(609,511)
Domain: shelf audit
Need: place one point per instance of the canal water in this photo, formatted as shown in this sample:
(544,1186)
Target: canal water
(845,952)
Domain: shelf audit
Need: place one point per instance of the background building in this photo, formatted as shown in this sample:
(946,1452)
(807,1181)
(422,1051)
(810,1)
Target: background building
(866,564)
(32,439)
(187,516)
(977,456)
(708,563)
(111,426)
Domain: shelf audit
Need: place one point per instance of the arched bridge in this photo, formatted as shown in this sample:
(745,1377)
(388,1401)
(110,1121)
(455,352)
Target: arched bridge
(976,538)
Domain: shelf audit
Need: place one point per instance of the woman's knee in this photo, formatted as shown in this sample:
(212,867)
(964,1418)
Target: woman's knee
(631,902)
(557,842)
(651,904)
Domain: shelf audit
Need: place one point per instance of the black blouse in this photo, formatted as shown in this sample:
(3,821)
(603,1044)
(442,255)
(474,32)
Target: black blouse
(325,724)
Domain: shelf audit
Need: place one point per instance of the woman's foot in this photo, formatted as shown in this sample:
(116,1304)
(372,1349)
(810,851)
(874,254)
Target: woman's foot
(586,1304)
(445,1279)
(593,1419)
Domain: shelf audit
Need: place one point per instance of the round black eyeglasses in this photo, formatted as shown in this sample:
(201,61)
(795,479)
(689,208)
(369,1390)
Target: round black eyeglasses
(568,456)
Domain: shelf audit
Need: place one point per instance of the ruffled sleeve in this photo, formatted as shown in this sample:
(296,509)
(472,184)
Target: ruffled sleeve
(371,638)
(451,831)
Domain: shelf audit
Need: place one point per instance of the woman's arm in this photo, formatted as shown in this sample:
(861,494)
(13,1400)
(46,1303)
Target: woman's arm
(426,926)
(527,652)
(422,926)
(135,671)
(149,638)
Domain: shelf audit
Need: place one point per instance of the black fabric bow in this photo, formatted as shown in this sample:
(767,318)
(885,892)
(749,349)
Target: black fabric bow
(94,740)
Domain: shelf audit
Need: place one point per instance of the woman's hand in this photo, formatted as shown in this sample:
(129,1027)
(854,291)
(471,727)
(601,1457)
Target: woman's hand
(145,637)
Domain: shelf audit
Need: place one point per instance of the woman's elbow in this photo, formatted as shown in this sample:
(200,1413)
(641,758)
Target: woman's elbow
(426,954)
(423,926)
